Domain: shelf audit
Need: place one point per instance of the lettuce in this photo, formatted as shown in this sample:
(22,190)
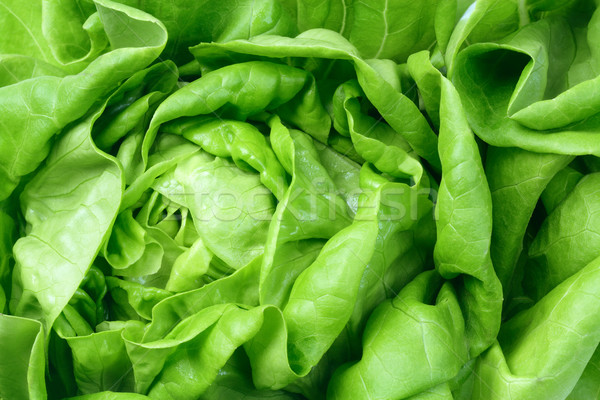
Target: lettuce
(299,199)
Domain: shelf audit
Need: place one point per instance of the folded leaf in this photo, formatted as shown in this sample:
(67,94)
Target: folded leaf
(22,363)
(35,110)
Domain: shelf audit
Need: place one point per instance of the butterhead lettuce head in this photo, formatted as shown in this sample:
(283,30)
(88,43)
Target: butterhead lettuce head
(298,199)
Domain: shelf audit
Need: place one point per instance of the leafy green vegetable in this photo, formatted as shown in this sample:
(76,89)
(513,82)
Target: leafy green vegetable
(299,199)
